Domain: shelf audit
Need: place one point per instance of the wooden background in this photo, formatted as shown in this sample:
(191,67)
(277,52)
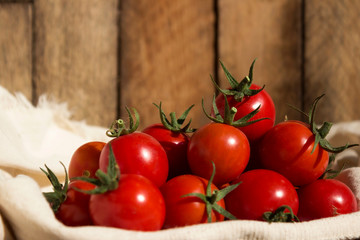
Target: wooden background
(102,55)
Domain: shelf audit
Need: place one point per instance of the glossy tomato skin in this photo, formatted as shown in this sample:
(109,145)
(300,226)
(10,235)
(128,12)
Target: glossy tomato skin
(183,211)
(260,191)
(249,103)
(74,211)
(85,158)
(325,198)
(137,204)
(287,147)
(175,145)
(138,153)
(222,144)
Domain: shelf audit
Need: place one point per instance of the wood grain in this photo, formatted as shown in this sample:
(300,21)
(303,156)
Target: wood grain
(269,30)
(167,54)
(15,48)
(75,56)
(332,60)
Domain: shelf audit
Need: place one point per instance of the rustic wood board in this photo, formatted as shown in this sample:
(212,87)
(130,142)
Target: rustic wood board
(332,62)
(167,55)
(15,48)
(75,56)
(269,30)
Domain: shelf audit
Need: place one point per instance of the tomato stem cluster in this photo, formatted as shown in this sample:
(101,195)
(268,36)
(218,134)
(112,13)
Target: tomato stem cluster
(238,89)
(280,215)
(322,132)
(175,124)
(58,196)
(118,127)
(211,198)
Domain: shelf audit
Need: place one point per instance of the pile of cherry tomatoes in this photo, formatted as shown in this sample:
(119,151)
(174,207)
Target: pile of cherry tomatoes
(239,166)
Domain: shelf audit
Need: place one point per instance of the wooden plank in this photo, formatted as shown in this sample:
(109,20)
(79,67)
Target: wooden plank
(167,54)
(16,1)
(75,56)
(15,48)
(332,63)
(269,30)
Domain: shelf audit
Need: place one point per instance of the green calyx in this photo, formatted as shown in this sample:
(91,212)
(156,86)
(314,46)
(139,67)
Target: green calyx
(331,173)
(229,115)
(238,89)
(211,198)
(279,215)
(175,124)
(58,196)
(118,127)
(321,132)
(104,182)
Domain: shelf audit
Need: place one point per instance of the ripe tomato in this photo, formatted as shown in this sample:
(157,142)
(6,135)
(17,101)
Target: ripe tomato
(188,210)
(287,149)
(70,205)
(246,97)
(260,191)
(325,198)
(247,105)
(224,145)
(136,204)
(85,159)
(74,211)
(175,145)
(138,153)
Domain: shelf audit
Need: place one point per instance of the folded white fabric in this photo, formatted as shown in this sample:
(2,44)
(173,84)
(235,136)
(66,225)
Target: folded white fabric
(32,136)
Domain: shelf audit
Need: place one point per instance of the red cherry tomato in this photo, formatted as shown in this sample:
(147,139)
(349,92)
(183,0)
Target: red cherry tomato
(222,144)
(189,210)
(248,104)
(325,198)
(85,158)
(138,153)
(260,191)
(74,211)
(287,149)
(175,145)
(137,204)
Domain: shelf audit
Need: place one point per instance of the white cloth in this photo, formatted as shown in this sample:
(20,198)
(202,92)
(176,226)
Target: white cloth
(31,137)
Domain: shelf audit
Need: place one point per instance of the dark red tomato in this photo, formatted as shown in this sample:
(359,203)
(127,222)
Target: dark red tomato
(260,191)
(325,198)
(189,210)
(74,211)
(138,153)
(85,158)
(175,145)
(287,147)
(222,144)
(137,204)
(249,103)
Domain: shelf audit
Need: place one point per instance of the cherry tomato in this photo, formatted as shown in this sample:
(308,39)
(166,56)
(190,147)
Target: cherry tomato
(325,198)
(287,148)
(175,145)
(188,210)
(222,144)
(74,211)
(136,204)
(248,104)
(85,159)
(138,153)
(260,191)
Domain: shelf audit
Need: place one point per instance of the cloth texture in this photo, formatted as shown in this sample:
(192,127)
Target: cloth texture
(33,136)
